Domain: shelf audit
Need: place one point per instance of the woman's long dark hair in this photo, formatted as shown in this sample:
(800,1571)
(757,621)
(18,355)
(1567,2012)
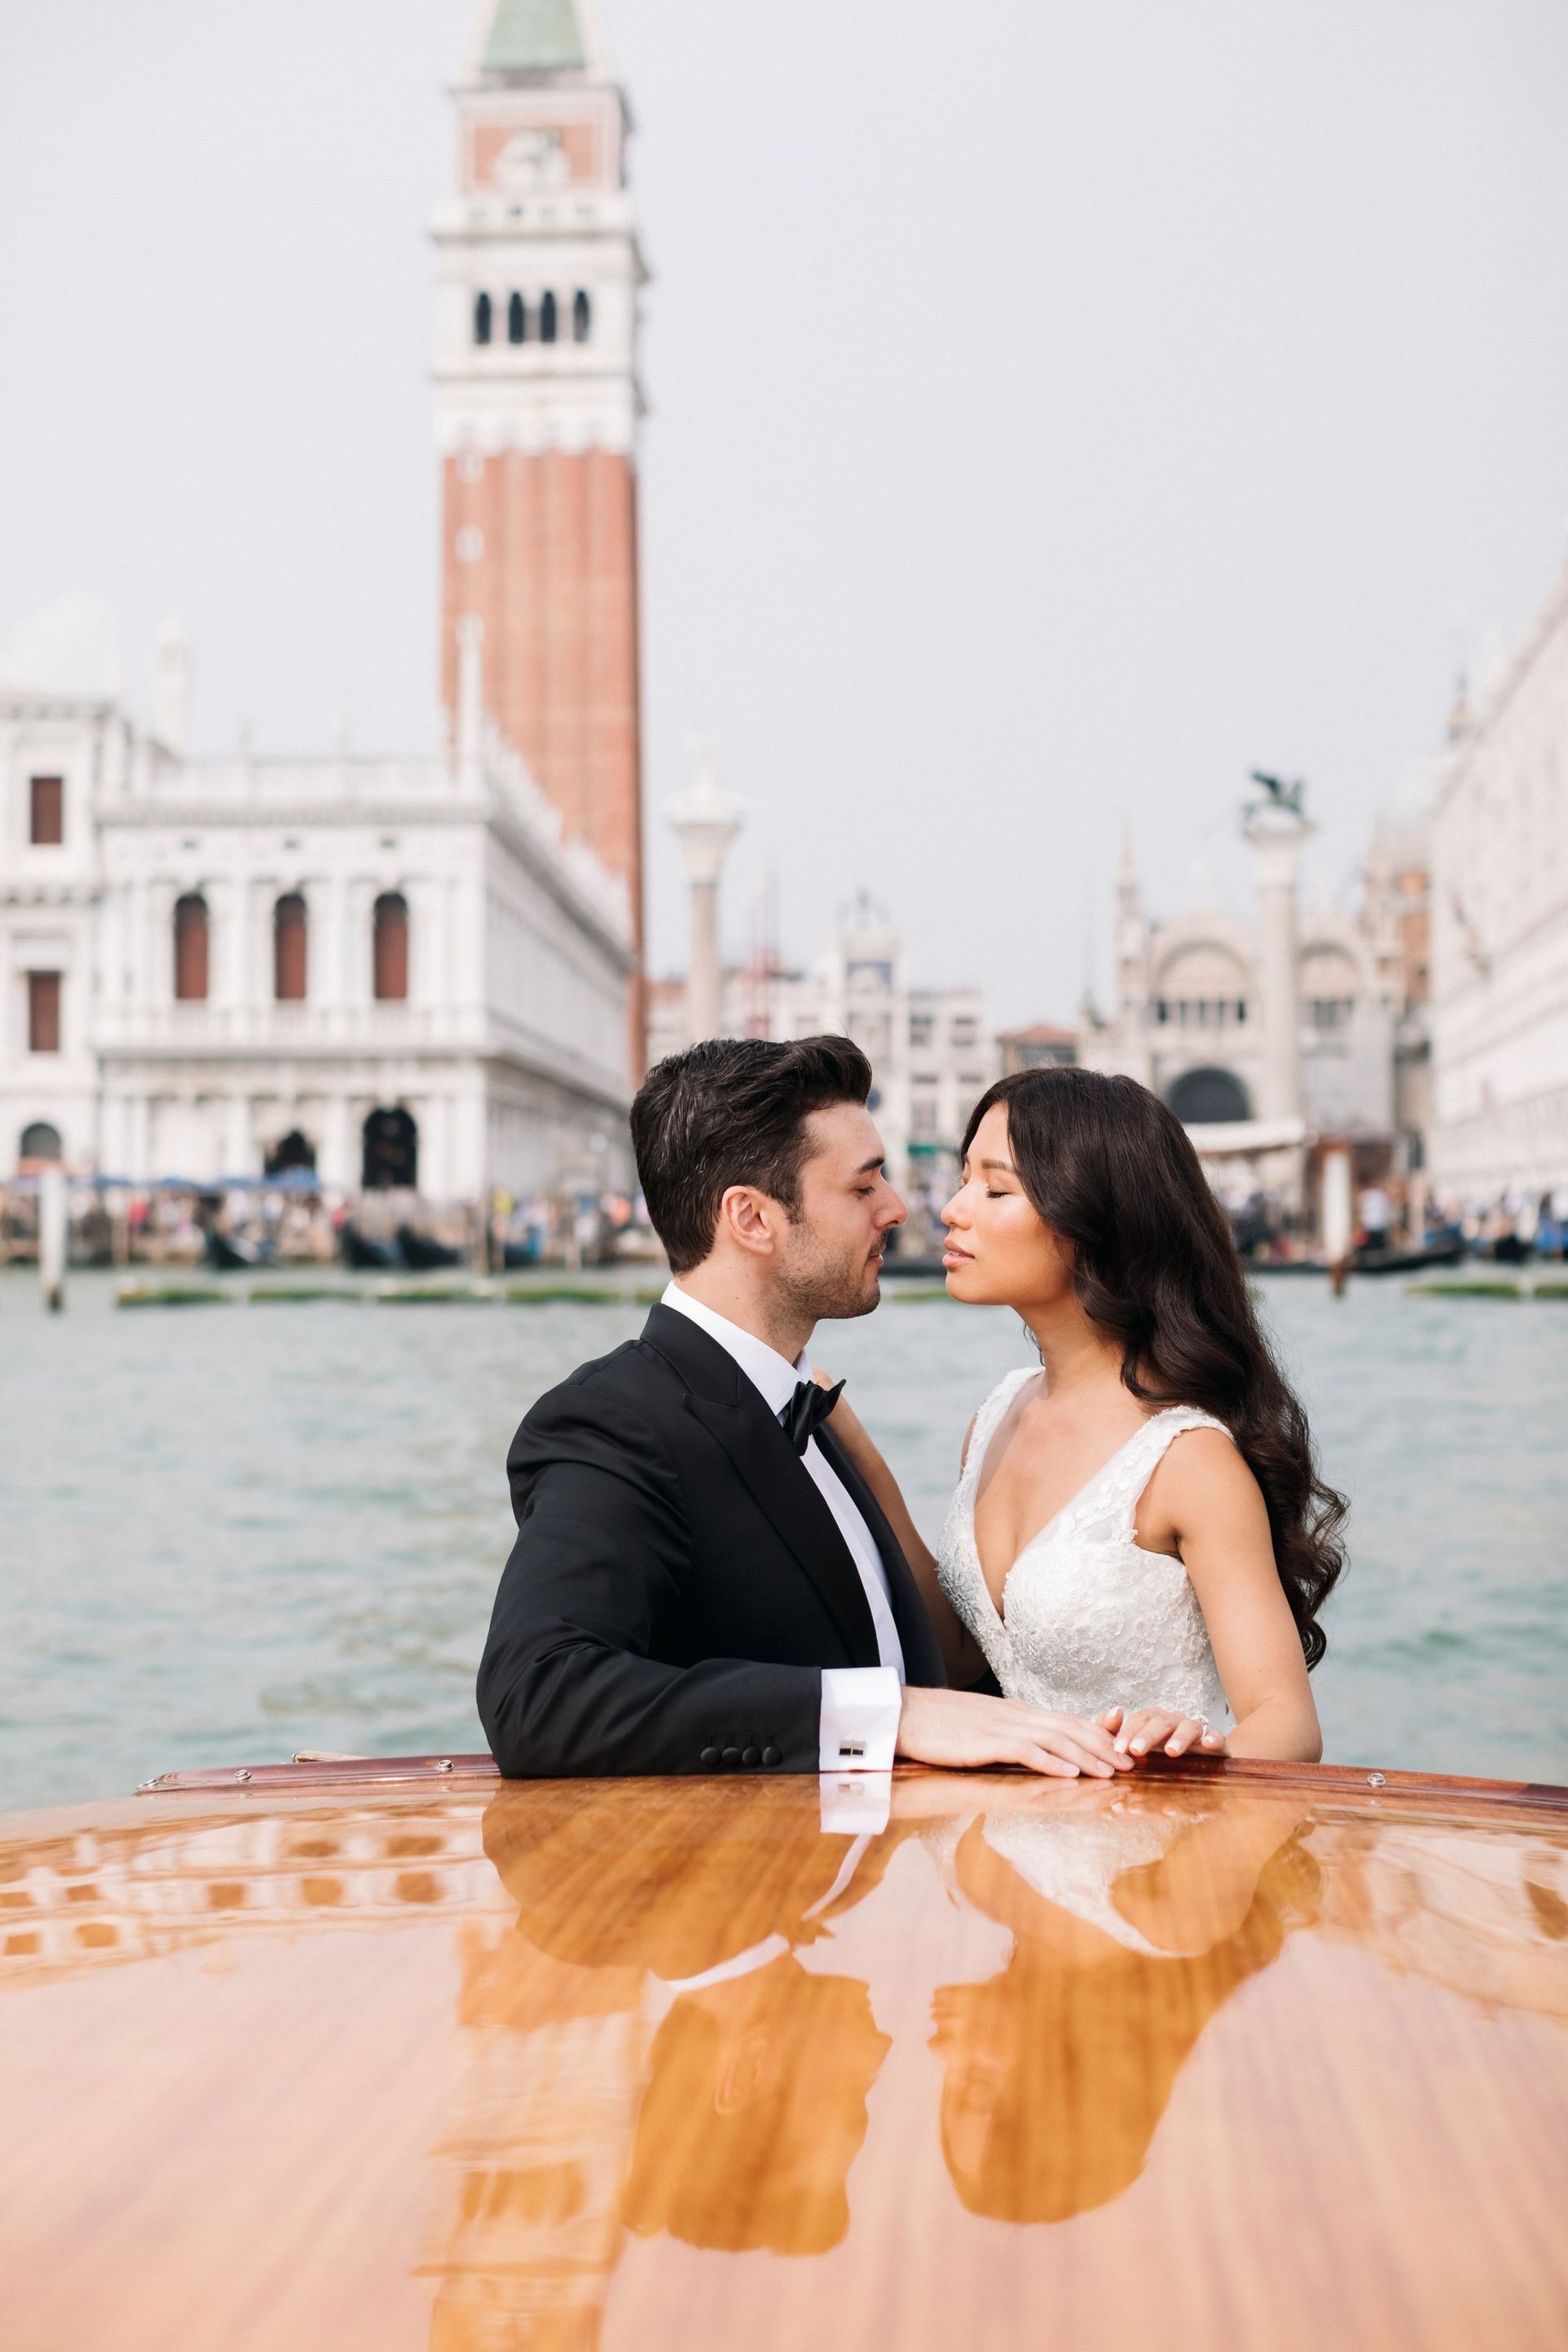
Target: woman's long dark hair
(1112,1172)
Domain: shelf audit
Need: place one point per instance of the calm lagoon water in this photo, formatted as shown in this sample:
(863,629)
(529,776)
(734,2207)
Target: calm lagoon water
(229,1532)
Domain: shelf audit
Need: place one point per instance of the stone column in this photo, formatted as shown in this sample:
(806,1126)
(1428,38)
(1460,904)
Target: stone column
(237,1157)
(705,820)
(1135,1056)
(171,688)
(1277,836)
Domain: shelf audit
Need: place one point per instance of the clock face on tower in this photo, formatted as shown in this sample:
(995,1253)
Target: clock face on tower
(531,159)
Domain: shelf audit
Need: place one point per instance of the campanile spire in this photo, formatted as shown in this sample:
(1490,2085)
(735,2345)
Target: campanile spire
(537,405)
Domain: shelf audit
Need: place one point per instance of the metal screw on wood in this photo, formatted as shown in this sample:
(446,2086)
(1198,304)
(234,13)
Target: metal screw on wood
(443,1764)
(242,1774)
(1377,1780)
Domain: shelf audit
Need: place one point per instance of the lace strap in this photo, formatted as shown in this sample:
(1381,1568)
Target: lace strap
(1112,1503)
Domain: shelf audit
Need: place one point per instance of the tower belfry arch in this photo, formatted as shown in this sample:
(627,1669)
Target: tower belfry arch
(537,419)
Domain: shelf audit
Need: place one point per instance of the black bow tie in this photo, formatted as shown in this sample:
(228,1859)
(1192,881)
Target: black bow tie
(807,1410)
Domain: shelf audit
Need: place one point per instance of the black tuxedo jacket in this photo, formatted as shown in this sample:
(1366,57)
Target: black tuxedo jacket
(677,1583)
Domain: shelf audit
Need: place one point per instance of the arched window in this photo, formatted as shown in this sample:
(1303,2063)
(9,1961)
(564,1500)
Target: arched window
(391,1161)
(191,948)
(547,319)
(481,318)
(582,316)
(1209,1098)
(40,1141)
(289,938)
(390,947)
(516,319)
(291,1151)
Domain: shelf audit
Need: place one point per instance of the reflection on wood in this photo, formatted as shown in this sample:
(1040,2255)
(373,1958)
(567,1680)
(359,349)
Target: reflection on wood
(561,2066)
(1049,2100)
(133,1893)
(528,2225)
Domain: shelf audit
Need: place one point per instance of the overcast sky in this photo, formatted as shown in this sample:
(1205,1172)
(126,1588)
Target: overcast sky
(1055,410)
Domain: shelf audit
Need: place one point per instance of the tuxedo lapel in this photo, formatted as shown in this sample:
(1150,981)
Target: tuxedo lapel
(923,1652)
(727,1404)
(788,1498)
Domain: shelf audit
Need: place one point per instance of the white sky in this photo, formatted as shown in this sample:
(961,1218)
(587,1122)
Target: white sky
(1056,409)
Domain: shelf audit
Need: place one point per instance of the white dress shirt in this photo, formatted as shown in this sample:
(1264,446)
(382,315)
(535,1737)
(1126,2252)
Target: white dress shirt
(860,1705)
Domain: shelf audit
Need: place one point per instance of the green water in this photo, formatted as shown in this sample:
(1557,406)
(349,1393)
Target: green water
(226,1533)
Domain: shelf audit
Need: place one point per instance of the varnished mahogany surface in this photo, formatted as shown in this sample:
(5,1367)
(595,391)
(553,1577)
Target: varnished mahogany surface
(1214,2059)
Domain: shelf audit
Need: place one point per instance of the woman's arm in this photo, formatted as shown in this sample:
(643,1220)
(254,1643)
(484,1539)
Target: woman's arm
(1205,1504)
(961,1655)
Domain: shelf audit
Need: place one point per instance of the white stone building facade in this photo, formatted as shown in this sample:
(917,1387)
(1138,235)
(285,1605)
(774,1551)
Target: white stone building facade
(1263,1037)
(419,972)
(1499,929)
(933,1051)
(392,970)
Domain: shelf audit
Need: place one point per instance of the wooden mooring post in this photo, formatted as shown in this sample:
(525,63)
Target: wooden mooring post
(52,1233)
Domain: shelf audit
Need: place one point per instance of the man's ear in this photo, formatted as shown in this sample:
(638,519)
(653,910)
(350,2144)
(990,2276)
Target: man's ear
(751,1218)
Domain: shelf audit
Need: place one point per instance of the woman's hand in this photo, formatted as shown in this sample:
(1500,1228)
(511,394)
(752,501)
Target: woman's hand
(970,1727)
(1145,1729)
(853,1435)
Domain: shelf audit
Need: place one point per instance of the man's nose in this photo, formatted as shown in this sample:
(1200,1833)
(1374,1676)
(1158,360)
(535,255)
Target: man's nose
(892,1210)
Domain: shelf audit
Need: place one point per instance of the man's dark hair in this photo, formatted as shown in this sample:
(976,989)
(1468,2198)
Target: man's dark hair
(732,1111)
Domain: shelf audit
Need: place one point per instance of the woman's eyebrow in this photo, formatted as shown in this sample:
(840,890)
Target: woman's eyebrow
(1004,1166)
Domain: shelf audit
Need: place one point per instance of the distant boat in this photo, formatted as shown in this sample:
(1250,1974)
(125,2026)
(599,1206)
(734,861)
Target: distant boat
(414,1250)
(423,1255)
(365,1251)
(1408,1261)
(228,1253)
(1365,1261)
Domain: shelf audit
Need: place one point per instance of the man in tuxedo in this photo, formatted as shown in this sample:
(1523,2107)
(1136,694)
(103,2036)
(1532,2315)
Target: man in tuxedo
(702,1582)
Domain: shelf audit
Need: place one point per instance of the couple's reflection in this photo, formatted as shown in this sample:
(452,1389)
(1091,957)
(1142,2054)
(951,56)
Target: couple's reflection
(758,2071)
(655,2048)
(1134,1918)
(755,2111)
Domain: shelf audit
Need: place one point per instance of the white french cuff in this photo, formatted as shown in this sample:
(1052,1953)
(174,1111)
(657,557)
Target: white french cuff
(859,1723)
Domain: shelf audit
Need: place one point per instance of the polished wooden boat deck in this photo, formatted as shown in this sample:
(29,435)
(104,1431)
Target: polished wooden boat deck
(1262,2060)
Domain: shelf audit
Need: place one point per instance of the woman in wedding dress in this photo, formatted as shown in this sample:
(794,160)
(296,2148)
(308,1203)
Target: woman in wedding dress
(1138,1535)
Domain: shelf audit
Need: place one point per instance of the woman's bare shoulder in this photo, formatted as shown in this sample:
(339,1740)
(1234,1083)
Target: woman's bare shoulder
(1204,1467)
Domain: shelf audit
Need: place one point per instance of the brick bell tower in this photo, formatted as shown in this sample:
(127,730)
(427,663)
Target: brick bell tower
(537,405)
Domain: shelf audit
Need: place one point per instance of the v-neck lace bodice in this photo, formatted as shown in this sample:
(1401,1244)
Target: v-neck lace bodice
(1089,1619)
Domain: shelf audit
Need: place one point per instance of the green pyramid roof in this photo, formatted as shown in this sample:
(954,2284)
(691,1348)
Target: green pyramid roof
(533,36)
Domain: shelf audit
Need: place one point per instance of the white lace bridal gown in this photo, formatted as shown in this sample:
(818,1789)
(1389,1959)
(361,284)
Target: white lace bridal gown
(1089,1619)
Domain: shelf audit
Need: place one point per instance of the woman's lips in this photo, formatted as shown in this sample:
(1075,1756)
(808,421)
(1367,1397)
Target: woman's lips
(952,1256)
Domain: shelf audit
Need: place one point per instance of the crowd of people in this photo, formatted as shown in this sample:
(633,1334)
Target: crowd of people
(292,1220)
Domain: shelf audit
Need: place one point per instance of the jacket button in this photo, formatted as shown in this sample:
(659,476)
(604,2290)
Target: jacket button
(772,1756)
(750,1755)
(732,1756)
(708,1756)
